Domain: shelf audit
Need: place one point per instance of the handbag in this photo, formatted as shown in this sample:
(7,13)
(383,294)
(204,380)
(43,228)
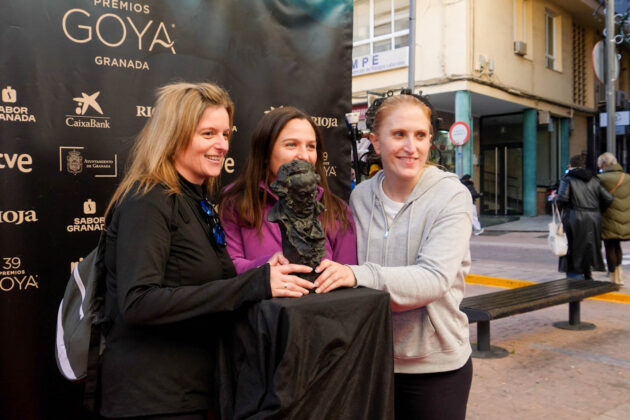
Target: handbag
(557,238)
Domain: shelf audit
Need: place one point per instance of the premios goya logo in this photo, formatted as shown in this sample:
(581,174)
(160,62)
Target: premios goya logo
(87,222)
(86,108)
(112,30)
(10,110)
(72,160)
(14,277)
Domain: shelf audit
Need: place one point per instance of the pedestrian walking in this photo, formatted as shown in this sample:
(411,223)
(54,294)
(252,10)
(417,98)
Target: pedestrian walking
(468,182)
(616,219)
(582,197)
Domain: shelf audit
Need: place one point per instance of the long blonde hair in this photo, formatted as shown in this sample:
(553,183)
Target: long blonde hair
(177,111)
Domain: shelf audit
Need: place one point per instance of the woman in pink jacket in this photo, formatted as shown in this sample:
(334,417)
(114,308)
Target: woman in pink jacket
(282,135)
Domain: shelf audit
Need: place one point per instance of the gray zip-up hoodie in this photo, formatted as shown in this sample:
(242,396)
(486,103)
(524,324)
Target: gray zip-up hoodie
(421,259)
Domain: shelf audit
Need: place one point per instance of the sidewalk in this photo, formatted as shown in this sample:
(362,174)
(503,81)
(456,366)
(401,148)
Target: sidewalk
(550,373)
(526,269)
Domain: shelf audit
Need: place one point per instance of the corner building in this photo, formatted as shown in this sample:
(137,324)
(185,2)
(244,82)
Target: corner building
(520,73)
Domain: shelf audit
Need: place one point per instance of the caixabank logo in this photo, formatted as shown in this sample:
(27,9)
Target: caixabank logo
(11,109)
(14,277)
(75,160)
(88,221)
(121,26)
(87,112)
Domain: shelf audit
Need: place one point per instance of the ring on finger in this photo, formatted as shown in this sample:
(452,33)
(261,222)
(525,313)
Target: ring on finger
(286,285)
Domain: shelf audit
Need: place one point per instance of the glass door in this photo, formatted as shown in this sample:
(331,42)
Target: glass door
(502,182)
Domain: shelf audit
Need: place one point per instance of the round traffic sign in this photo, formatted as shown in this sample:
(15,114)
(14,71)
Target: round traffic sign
(599,57)
(459,133)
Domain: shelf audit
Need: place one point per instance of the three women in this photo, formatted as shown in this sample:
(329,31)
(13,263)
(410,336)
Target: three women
(168,269)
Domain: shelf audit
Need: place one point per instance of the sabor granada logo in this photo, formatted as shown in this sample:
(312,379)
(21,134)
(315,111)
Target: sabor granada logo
(87,224)
(13,112)
(112,31)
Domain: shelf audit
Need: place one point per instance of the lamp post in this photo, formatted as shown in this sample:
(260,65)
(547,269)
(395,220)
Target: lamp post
(611,56)
(411,81)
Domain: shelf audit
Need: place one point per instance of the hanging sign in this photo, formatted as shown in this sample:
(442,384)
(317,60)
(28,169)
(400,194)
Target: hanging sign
(459,133)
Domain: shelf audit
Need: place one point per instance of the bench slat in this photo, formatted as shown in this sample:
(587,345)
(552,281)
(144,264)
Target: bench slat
(529,298)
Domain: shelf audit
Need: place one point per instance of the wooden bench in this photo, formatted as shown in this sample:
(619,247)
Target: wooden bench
(484,308)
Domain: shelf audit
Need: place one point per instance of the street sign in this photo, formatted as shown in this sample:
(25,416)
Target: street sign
(459,133)
(599,54)
(621,118)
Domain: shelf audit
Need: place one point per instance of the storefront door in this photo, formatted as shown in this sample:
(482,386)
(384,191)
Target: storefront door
(501,180)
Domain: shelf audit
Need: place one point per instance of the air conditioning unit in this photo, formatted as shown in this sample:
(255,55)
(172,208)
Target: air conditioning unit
(520,48)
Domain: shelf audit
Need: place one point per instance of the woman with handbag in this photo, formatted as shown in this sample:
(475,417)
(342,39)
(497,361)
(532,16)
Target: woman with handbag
(616,219)
(582,198)
(169,277)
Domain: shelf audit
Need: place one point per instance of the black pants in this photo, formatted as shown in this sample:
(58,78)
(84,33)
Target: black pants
(442,395)
(614,256)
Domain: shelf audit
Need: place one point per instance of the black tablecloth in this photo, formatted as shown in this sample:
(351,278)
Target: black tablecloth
(322,356)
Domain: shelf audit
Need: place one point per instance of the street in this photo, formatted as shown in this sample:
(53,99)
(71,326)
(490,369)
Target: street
(523,256)
(549,373)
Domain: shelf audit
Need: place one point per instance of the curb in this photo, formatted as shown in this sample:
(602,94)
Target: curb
(616,297)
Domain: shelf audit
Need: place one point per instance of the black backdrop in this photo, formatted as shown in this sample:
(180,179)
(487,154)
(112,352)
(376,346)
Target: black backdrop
(77,80)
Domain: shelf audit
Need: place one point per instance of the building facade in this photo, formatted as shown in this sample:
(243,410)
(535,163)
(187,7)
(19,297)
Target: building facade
(520,73)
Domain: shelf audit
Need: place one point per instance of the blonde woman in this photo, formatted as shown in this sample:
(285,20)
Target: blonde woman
(413,231)
(169,276)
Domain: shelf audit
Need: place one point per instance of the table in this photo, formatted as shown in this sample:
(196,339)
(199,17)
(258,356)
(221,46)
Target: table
(321,356)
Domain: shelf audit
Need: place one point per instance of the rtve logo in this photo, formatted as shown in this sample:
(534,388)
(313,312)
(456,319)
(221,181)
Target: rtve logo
(22,162)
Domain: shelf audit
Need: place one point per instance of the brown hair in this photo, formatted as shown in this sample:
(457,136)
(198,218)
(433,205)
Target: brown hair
(244,199)
(168,132)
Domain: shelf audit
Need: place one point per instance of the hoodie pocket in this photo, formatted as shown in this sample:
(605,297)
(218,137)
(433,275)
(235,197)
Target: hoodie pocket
(414,334)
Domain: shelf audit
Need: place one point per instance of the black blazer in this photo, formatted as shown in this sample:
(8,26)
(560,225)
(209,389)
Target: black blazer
(167,287)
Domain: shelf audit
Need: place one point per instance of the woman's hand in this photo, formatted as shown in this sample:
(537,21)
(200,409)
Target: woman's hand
(283,284)
(277,259)
(334,275)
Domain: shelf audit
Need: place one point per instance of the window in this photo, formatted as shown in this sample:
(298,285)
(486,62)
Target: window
(553,33)
(379,25)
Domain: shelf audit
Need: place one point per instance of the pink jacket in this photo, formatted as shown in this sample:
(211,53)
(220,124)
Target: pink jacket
(248,250)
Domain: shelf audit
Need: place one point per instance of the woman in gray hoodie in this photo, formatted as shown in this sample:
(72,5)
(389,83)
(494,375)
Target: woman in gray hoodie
(414,223)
